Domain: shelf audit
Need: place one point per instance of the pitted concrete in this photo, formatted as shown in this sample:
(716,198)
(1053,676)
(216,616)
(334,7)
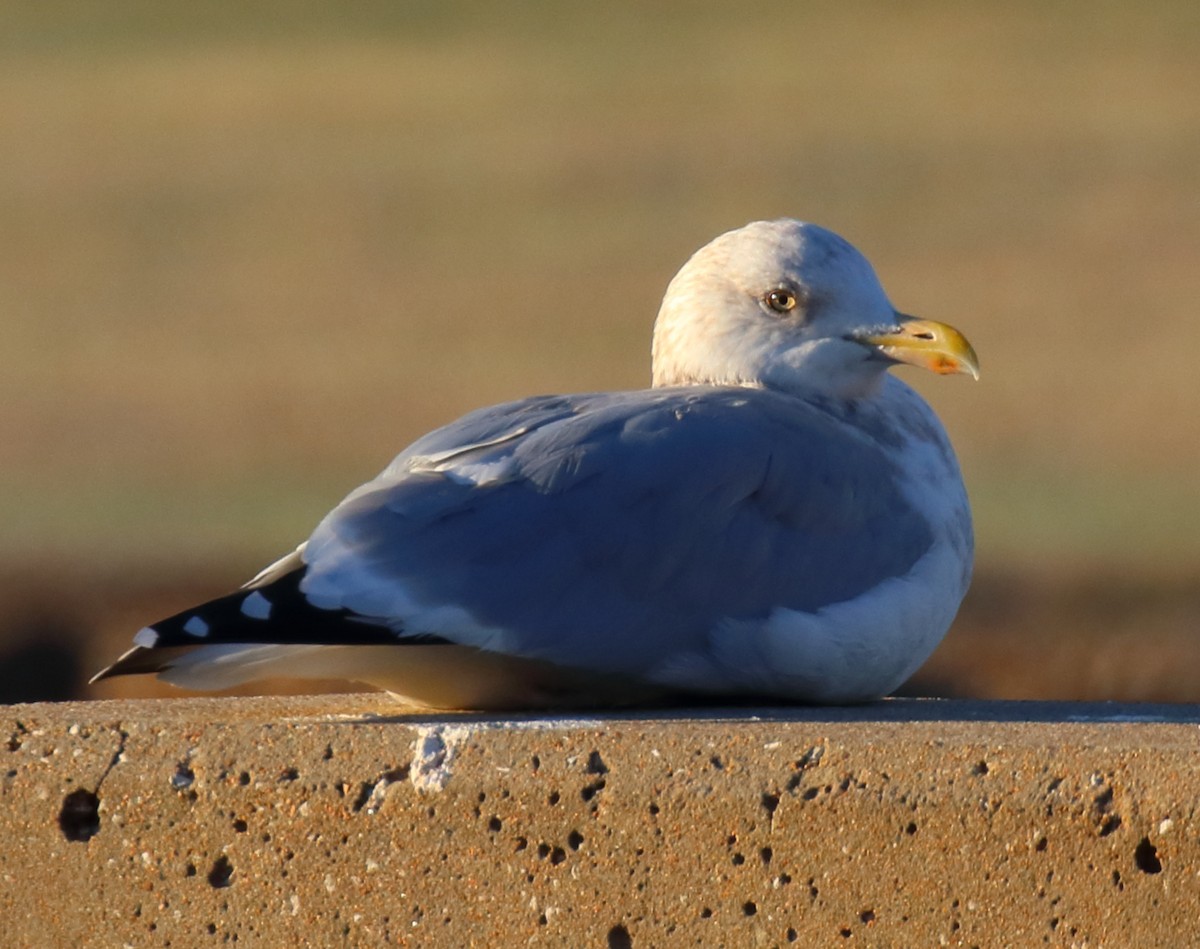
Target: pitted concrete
(339,820)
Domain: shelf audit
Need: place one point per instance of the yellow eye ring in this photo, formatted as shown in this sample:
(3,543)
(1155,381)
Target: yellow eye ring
(781,300)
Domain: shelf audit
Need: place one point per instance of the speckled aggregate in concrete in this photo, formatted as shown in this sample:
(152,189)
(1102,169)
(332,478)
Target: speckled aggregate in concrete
(337,820)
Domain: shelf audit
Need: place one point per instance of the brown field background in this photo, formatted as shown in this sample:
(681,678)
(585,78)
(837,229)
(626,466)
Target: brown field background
(246,254)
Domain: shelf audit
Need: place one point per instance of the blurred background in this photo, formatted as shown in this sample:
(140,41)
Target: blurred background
(247,253)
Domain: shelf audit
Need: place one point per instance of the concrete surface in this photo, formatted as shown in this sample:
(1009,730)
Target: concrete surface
(338,820)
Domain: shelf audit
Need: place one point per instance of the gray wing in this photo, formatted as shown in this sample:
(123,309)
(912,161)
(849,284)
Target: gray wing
(613,530)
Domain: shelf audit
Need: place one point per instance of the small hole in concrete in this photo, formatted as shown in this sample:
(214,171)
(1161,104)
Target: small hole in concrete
(769,803)
(867,915)
(1109,824)
(1146,857)
(791,935)
(543,851)
(189,870)
(574,840)
(211,929)
(845,932)
(328,755)
(910,828)
(749,908)
(289,774)
(1116,879)
(364,794)
(654,809)
(765,855)
(239,825)
(553,799)
(596,764)
(716,762)
(1040,845)
(619,938)
(79,818)
(535,762)
(221,874)
(591,790)
(980,769)
(810,793)
(557,856)
(244,778)
(522,843)
(706,913)
(738,859)
(495,824)
(542,920)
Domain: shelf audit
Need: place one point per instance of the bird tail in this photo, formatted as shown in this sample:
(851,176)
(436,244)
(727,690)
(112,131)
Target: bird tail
(273,614)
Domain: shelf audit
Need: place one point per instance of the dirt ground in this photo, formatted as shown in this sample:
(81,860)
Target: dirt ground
(1017,637)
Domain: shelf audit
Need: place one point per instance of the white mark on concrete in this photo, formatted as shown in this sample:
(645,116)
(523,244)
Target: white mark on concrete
(1165,825)
(256,606)
(539,724)
(295,902)
(433,755)
(196,627)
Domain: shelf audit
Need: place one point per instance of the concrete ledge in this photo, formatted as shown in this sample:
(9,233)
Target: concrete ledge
(333,820)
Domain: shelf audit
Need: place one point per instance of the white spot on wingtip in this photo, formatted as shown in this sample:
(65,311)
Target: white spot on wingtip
(256,606)
(196,627)
(147,637)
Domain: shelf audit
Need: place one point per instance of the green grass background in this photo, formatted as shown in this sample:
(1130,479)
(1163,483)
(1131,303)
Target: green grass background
(249,251)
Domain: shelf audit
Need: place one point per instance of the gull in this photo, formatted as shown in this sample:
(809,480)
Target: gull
(777,518)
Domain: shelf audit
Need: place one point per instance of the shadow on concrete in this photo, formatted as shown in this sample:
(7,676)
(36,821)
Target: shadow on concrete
(886,710)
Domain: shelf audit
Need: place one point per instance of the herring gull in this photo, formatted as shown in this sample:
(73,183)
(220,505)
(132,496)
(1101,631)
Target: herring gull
(777,517)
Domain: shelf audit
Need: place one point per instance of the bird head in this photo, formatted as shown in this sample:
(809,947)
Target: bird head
(791,306)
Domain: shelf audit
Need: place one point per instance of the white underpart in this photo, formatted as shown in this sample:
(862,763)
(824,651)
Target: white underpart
(220,667)
(862,648)
(437,676)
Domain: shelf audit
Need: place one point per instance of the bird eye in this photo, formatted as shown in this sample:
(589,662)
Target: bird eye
(781,300)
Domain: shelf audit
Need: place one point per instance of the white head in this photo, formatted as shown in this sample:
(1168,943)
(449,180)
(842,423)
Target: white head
(790,306)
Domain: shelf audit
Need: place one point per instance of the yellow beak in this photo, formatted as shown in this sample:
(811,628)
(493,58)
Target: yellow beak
(937,347)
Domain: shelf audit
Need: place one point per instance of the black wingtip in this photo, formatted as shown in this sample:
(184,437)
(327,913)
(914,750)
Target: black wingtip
(276,613)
